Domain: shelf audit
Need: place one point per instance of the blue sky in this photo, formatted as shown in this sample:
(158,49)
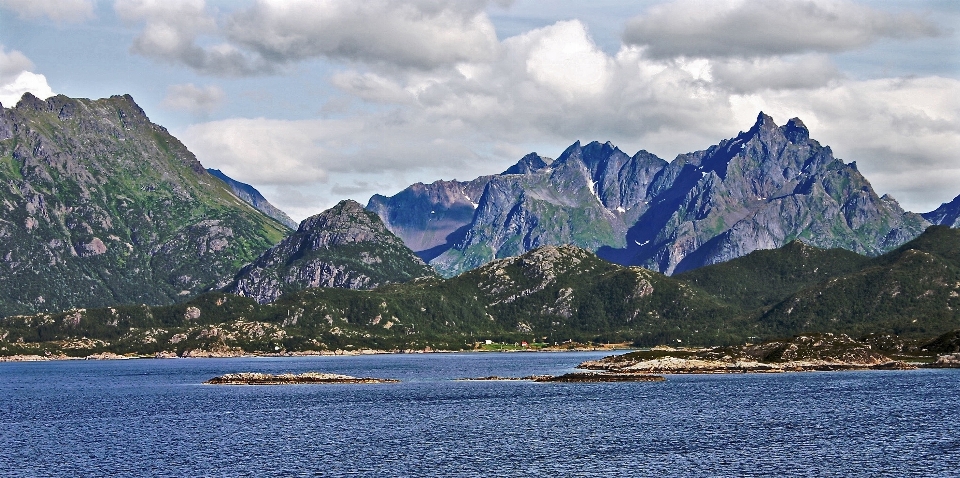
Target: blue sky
(316,101)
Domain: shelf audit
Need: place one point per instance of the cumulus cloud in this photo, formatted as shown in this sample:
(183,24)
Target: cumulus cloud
(172,33)
(56,10)
(12,63)
(420,34)
(740,28)
(15,80)
(777,73)
(194,99)
(270,36)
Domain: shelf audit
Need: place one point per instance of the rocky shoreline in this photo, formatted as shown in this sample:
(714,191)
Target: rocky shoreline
(255,378)
(802,353)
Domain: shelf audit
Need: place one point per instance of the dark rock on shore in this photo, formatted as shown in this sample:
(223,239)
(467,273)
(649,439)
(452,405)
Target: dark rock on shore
(579,377)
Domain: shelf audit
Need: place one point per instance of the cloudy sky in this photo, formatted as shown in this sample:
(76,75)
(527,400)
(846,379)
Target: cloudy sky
(314,101)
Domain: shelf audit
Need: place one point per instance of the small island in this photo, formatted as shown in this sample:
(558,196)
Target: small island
(802,353)
(254,378)
(576,377)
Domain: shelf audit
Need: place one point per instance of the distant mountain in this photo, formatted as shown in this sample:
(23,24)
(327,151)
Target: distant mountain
(948,214)
(345,246)
(429,216)
(100,206)
(760,190)
(253,197)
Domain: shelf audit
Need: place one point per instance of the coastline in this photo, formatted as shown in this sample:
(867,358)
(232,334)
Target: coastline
(307,353)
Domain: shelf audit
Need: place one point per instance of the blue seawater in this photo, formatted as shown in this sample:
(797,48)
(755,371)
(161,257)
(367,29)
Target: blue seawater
(155,418)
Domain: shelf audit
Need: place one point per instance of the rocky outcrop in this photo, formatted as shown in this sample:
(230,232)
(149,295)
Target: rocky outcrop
(948,214)
(100,206)
(345,247)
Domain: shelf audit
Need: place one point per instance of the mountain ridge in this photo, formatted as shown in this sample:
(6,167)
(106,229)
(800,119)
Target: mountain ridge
(253,197)
(761,189)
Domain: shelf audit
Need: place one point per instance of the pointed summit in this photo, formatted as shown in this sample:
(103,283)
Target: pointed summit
(528,164)
(795,131)
(345,246)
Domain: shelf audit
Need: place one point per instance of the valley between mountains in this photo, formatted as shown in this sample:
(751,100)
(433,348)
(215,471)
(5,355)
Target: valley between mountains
(116,240)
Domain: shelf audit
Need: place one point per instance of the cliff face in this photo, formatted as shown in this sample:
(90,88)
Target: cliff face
(345,247)
(948,214)
(253,197)
(759,190)
(99,206)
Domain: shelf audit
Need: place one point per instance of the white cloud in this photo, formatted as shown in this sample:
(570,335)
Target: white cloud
(740,28)
(564,58)
(12,63)
(777,73)
(271,35)
(419,34)
(193,99)
(56,10)
(36,84)
(15,80)
(172,33)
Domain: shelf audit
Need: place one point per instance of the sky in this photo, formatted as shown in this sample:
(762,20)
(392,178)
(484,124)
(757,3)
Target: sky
(314,101)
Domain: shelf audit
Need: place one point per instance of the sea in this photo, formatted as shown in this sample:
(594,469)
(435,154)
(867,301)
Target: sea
(154,417)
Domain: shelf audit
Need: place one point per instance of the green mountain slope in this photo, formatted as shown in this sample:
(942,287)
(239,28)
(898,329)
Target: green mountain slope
(765,277)
(99,206)
(913,290)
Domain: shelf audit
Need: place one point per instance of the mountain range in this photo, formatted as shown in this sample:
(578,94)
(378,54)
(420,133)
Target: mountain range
(759,190)
(107,215)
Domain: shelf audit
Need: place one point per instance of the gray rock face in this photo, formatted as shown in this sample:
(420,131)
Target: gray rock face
(99,206)
(759,190)
(948,214)
(251,196)
(345,247)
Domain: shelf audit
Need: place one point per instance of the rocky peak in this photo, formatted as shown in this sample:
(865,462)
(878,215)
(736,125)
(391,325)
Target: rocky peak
(528,164)
(345,246)
(347,222)
(795,131)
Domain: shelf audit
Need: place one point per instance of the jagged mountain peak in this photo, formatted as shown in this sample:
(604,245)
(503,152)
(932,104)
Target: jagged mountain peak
(795,131)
